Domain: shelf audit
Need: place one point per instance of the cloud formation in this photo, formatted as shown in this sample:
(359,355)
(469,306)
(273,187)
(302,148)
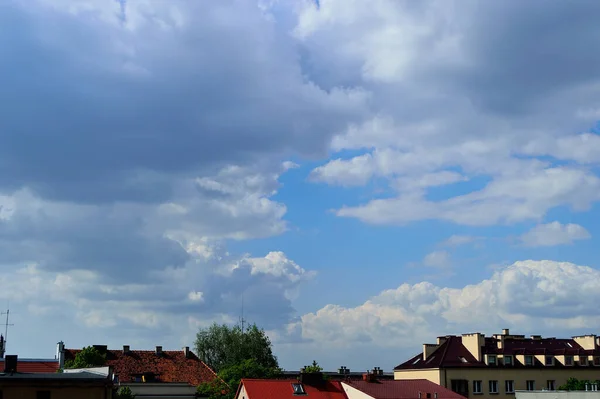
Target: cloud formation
(555,233)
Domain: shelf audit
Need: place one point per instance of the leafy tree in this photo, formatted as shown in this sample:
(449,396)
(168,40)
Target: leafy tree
(125,393)
(313,368)
(573,384)
(87,357)
(234,354)
(222,346)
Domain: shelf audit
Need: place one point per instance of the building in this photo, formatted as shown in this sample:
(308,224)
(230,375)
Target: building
(35,365)
(557,395)
(81,384)
(473,364)
(318,386)
(342,374)
(152,373)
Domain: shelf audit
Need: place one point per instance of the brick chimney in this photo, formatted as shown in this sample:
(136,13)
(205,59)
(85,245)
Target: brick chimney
(369,377)
(10,363)
(158,350)
(186,351)
(126,348)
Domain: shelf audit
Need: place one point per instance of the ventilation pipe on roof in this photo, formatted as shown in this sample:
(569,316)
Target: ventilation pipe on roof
(186,351)
(60,354)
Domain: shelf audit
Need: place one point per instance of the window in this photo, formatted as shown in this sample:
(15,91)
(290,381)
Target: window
(596,360)
(549,360)
(530,385)
(42,395)
(569,360)
(583,360)
(298,389)
(477,387)
(528,360)
(493,386)
(462,359)
(491,360)
(508,360)
(550,385)
(509,386)
(460,386)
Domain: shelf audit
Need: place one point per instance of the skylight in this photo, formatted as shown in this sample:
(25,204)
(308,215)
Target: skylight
(431,358)
(462,359)
(298,389)
(416,361)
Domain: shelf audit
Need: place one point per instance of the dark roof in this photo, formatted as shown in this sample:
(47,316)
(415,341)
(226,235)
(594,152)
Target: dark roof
(283,389)
(452,353)
(34,365)
(403,389)
(337,376)
(169,366)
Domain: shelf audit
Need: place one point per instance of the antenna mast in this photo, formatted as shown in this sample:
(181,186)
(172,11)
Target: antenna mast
(242,320)
(6,325)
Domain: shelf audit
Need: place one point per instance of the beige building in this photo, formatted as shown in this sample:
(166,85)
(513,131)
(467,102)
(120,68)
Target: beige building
(474,365)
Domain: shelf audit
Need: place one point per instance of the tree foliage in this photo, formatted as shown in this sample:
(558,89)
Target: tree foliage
(234,354)
(222,346)
(87,357)
(313,368)
(573,384)
(124,393)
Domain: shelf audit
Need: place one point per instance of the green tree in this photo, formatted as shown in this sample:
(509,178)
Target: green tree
(125,393)
(234,354)
(222,346)
(87,357)
(313,368)
(573,384)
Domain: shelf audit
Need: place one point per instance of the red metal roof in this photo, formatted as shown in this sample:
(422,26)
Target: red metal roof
(34,366)
(403,389)
(282,389)
(169,366)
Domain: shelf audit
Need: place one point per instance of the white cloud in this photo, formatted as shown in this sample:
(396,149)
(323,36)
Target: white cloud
(527,296)
(458,240)
(555,233)
(437,259)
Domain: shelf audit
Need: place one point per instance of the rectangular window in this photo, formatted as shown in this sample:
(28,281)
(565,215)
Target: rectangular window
(550,385)
(569,360)
(460,386)
(596,360)
(42,395)
(509,386)
(530,385)
(477,387)
(549,360)
(528,360)
(491,360)
(583,360)
(493,386)
(508,360)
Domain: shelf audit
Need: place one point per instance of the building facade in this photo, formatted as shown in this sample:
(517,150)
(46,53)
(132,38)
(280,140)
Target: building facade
(474,365)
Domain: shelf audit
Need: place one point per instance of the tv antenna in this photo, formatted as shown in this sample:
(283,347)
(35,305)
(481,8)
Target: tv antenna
(242,320)
(6,325)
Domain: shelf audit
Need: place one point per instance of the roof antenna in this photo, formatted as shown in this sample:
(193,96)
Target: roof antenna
(6,325)
(242,320)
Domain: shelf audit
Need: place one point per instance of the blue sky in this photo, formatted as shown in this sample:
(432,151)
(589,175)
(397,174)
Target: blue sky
(365,176)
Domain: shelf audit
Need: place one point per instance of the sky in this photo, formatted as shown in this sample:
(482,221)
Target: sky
(359,177)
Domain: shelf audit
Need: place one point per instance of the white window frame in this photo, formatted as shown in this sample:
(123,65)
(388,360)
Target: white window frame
(493,383)
(546,360)
(489,360)
(530,357)
(551,385)
(477,387)
(530,385)
(583,360)
(508,360)
(512,386)
(567,363)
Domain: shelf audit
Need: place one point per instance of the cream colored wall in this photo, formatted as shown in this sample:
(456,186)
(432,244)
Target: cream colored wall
(518,375)
(586,342)
(432,375)
(165,390)
(353,393)
(473,343)
(242,394)
(56,393)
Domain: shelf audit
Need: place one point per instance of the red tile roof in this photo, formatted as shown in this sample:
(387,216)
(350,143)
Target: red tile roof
(403,389)
(169,366)
(34,366)
(282,389)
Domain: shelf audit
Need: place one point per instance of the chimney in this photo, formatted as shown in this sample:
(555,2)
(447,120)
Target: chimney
(186,351)
(377,371)
(101,348)
(10,363)
(505,331)
(441,340)
(158,350)
(2,346)
(60,354)
(369,377)
(428,349)
(473,342)
(126,348)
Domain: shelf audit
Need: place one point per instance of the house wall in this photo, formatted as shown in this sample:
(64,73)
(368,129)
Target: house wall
(432,375)
(557,395)
(24,392)
(353,393)
(518,375)
(242,394)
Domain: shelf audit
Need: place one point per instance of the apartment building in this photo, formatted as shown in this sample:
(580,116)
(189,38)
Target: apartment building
(474,365)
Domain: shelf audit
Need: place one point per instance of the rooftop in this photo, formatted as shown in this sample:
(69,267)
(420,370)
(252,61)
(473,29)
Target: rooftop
(404,389)
(284,389)
(165,366)
(34,365)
